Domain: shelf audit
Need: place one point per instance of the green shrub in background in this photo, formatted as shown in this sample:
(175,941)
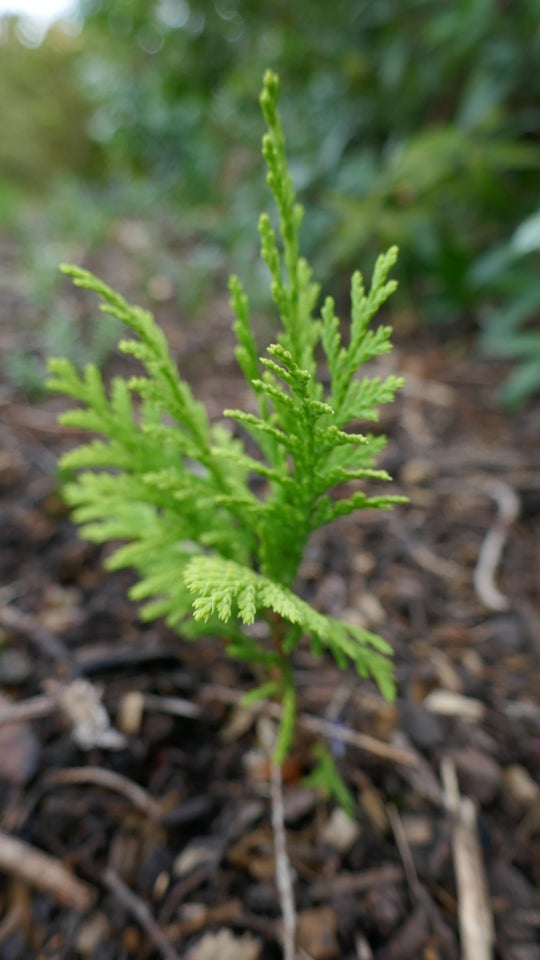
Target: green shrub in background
(44,113)
(509,277)
(415,120)
(46,157)
(415,123)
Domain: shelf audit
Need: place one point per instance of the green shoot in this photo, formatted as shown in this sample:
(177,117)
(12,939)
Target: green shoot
(211,555)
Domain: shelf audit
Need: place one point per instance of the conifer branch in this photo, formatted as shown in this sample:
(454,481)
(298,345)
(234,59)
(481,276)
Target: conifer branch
(212,551)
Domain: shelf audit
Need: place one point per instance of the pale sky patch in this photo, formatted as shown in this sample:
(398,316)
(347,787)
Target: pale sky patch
(45,11)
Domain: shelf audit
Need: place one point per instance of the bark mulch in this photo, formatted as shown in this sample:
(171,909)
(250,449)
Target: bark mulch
(134,793)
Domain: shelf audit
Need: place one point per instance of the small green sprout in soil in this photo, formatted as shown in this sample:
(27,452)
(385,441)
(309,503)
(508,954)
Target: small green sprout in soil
(212,553)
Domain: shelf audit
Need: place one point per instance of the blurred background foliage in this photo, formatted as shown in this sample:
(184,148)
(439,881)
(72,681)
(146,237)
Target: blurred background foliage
(416,123)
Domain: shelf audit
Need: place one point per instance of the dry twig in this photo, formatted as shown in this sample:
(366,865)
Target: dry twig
(490,552)
(101,777)
(283,865)
(44,872)
(175,706)
(378,748)
(404,850)
(475,917)
(333,731)
(140,911)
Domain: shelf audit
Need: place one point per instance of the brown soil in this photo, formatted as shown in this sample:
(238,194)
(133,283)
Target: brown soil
(173,856)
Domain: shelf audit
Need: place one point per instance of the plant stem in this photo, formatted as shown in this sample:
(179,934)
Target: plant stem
(283,869)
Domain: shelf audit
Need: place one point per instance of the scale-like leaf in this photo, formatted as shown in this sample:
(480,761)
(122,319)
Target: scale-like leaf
(215,521)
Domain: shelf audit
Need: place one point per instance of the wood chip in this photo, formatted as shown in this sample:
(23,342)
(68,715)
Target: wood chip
(447,703)
(130,712)
(81,703)
(340,831)
(519,787)
(92,932)
(196,854)
(224,945)
(317,933)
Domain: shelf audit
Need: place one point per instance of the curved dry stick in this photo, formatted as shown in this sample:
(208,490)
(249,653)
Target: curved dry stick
(101,777)
(490,552)
(40,870)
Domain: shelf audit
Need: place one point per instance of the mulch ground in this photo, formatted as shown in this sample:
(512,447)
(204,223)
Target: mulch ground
(126,758)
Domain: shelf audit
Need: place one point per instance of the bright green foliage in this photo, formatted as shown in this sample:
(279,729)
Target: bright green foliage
(510,322)
(211,554)
(326,777)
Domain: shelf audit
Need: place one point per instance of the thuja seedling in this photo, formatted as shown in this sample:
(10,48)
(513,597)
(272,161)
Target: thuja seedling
(211,554)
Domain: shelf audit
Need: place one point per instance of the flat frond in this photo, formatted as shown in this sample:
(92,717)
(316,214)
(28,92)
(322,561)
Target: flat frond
(328,510)
(215,521)
(219,586)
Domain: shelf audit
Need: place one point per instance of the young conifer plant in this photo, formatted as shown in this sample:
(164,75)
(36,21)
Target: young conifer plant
(212,553)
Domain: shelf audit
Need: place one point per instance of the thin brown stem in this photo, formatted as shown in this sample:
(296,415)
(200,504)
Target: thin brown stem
(44,872)
(140,911)
(283,869)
